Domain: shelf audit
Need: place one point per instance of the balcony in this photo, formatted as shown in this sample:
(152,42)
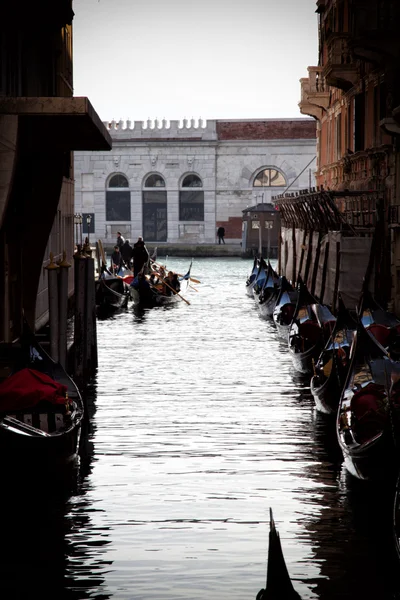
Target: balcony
(314,93)
(375,30)
(341,70)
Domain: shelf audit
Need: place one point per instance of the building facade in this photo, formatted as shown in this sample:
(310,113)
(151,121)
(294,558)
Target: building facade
(177,183)
(41,123)
(354,95)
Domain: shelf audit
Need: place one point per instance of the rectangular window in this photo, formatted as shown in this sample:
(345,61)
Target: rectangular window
(191,205)
(255,224)
(155,216)
(118,206)
(338,137)
(359,122)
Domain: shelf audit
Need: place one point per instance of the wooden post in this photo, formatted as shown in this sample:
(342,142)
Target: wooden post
(52,274)
(303,246)
(316,263)
(294,252)
(309,254)
(63,310)
(90,344)
(335,291)
(325,268)
(79,316)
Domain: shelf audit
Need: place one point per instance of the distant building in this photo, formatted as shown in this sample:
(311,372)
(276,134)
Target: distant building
(178,184)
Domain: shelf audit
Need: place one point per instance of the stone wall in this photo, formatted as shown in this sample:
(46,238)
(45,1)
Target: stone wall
(226,166)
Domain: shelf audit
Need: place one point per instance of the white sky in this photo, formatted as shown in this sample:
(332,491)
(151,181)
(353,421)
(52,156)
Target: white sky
(175,59)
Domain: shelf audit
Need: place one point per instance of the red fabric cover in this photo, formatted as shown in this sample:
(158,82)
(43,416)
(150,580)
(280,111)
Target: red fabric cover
(310,331)
(28,387)
(128,278)
(381,333)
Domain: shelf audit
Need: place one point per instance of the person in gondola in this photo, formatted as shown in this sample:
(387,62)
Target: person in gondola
(127,253)
(116,260)
(140,255)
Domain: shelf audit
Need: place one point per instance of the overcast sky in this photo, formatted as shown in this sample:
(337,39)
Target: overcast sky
(176,59)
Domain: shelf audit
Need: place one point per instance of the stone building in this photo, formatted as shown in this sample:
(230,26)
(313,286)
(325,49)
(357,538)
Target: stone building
(176,183)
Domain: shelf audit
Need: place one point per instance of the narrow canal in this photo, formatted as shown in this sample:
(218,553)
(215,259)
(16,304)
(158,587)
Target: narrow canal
(198,426)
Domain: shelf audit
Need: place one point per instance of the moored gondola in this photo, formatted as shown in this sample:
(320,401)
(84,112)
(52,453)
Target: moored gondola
(284,308)
(41,409)
(311,326)
(269,293)
(261,279)
(331,369)
(251,278)
(278,584)
(367,418)
(382,325)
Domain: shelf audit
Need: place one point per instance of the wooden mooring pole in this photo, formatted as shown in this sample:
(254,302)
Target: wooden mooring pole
(63,309)
(79,315)
(52,274)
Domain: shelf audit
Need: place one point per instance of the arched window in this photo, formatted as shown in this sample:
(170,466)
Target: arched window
(154,181)
(154,209)
(191,201)
(269,178)
(118,201)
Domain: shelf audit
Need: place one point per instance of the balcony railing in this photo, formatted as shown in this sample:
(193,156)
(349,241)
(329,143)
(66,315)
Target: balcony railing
(341,69)
(314,93)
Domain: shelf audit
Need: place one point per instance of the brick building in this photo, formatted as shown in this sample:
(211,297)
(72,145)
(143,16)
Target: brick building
(354,95)
(176,183)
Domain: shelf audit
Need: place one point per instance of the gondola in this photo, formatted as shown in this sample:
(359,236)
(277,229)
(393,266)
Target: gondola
(311,327)
(382,325)
(112,292)
(284,308)
(331,369)
(251,278)
(41,409)
(368,416)
(150,289)
(269,293)
(261,279)
(278,584)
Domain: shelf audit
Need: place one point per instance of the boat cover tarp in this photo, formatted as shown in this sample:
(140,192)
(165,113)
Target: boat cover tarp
(26,388)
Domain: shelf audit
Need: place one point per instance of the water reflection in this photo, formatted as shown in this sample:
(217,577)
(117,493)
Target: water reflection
(198,424)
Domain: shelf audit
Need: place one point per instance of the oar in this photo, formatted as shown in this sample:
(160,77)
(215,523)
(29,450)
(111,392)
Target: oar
(175,292)
(193,288)
(191,278)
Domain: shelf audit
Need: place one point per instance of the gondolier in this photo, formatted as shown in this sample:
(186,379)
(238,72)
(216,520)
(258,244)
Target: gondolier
(140,255)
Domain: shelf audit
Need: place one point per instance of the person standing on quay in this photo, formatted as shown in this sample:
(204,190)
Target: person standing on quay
(120,240)
(221,234)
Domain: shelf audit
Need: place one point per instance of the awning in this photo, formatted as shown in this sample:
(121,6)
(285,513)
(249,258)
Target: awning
(57,123)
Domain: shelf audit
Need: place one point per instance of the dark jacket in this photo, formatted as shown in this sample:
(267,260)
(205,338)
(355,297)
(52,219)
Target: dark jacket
(120,241)
(221,231)
(140,255)
(127,252)
(116,259)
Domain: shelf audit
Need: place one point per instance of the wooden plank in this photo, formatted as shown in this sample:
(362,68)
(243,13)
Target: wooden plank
(324,271)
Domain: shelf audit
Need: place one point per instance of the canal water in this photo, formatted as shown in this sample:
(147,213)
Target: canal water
(198,425)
